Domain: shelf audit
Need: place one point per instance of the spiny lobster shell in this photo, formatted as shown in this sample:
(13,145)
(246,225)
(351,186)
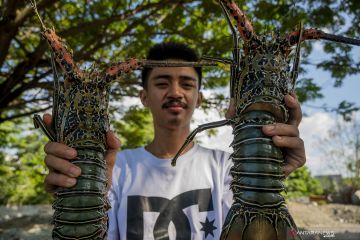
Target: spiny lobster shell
(82,121)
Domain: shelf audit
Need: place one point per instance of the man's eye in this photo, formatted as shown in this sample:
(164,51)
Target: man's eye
(161,84)
(188,85)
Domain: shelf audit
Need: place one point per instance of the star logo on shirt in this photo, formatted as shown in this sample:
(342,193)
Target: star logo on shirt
(208,227)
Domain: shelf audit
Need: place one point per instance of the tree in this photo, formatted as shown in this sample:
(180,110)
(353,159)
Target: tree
(301,183)
(341,148)
(22,167)
(98,31)
(135,128)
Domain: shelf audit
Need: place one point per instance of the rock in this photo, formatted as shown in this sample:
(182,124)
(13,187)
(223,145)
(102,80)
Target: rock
(304,200)
(314,204)
(355,198)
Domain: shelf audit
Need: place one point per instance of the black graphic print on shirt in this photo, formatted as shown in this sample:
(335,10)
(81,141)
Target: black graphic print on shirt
(169,211)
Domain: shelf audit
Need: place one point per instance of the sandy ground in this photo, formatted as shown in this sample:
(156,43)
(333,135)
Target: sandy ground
(329,221)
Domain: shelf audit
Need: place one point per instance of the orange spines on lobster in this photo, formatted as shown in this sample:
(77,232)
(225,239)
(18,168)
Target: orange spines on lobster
(63,55)
(244,25)
(124,67)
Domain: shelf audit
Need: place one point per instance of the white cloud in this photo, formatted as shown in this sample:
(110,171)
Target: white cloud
(318,48)
(223,137)
(312,129)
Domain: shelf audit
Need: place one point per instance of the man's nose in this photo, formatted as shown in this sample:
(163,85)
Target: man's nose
(175,91)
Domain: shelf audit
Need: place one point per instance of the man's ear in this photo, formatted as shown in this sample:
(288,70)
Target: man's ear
(200,99)
(143,97)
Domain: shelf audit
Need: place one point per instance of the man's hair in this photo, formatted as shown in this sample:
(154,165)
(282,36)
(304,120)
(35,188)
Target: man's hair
(170,50)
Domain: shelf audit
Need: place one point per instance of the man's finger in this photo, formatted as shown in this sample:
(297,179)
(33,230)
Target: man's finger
(281,129)
(54,180)
(62,166)
(60,150)
(294,109)
(293,143)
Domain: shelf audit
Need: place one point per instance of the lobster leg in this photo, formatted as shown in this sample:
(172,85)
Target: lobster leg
(295,70)
(38,123)
(235,68)
(200,128)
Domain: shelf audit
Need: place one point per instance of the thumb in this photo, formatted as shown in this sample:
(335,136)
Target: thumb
(113,144)
(47,119)
(231,112)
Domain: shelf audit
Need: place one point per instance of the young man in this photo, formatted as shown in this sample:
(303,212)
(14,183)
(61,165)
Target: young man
(151,199)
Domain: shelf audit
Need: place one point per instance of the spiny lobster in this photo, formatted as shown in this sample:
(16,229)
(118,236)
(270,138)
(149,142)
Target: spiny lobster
(80,120)
(259,81)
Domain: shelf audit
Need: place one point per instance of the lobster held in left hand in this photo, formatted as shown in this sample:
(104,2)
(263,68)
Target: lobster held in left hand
(80,120)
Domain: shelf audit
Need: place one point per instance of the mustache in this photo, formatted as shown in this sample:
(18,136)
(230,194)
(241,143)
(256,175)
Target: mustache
(173,102)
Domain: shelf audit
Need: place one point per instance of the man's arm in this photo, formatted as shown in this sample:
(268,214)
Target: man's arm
(62,173)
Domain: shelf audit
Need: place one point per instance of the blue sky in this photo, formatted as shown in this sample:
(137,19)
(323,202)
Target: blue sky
(333,96)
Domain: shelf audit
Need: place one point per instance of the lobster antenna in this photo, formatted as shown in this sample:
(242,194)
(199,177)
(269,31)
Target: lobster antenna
(33,4)
(340,39)
(295,70)
(160,63)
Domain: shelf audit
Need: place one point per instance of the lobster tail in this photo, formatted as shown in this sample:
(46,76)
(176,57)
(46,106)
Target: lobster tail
(258,211)
(81,211)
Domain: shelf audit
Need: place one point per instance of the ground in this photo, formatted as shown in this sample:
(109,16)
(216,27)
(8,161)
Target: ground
(328,221)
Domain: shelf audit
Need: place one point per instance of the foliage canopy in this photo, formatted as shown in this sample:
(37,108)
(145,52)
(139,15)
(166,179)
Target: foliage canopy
(100,31)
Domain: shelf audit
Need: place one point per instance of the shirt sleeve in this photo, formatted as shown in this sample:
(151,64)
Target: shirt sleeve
(114,199)
(227,198)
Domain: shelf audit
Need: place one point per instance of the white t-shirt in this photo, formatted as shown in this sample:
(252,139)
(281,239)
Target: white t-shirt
(150,199)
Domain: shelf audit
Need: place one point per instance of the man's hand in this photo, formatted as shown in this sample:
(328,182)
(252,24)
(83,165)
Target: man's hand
(284,135)
(287,137)
(62,173)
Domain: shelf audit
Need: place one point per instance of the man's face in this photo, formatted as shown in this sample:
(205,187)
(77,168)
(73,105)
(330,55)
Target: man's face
(172,94)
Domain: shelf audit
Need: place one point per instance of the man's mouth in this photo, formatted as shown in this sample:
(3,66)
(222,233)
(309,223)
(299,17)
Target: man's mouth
(174,105)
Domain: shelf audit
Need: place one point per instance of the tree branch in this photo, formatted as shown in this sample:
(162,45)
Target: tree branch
(18,74)
(21,103)
(23,114)
(10,27)
(28,11)
(106,21)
